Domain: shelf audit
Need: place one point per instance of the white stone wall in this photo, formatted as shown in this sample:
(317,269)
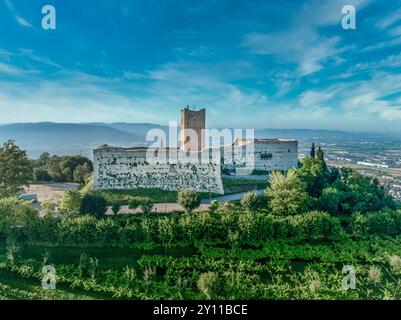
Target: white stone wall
(266,155)
(118,168)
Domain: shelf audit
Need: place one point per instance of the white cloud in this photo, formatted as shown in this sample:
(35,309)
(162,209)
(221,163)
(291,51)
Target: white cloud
(21,21)
(389,20)
(9,69)
(301,43)
(360,100)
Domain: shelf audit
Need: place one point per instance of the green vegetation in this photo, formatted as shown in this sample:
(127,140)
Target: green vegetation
(188,199)
(155,194)
(93,204)
(242,185)
(163,196)
(144,203)
(291,243)
(15,169)
(67,168)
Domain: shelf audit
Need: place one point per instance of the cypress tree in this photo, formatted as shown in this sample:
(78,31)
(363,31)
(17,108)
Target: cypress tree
(320,157)
(312,151)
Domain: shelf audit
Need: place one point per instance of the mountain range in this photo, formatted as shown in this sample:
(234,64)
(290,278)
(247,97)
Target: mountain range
(69,138)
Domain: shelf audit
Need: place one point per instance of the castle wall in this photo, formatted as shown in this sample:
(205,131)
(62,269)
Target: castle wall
(118,168)
(268,155)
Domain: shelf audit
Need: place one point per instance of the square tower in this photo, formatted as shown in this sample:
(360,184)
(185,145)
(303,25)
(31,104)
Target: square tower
(192,129)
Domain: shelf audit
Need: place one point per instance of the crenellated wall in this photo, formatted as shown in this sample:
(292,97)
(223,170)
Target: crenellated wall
(261,154)
(119,168)
(174,169)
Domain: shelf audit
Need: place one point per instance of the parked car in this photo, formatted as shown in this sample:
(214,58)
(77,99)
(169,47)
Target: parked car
(31,197)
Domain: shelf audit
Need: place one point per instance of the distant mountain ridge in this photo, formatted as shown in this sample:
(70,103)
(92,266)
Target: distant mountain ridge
(70,138)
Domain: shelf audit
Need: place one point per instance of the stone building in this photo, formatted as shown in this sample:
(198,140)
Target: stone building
(193,124)
(191,165)
(261,155)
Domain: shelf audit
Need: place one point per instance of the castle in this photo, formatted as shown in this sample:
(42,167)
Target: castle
(194,163)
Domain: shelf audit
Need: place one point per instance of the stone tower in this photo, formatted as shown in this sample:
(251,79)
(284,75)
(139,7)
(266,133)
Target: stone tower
(192,129)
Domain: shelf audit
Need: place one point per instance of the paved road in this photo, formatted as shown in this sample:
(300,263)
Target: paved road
(171,207)
(230,197)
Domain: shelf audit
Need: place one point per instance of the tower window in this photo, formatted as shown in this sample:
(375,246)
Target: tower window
(266,156)
(195,119)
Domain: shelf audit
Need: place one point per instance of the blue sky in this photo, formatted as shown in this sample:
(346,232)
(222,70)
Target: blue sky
(262,64)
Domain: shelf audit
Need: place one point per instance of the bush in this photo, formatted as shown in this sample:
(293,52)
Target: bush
(93,204)
(116,206)
(75,231)
(208,284)
(330,200)
(286,194)
(316,225)
(71,202)
(146,204)
(251,201)
(16,216)
(382,223)
(188,199)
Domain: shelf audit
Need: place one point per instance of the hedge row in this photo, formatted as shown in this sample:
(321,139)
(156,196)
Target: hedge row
(227,227)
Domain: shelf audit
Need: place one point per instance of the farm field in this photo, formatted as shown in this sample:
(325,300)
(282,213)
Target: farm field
(269,270)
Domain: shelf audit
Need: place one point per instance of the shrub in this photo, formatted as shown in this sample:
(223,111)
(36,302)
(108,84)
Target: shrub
(116,206)
(330,200)
(286,194)
(93,204)
(188,199)
(146,204)
(316,225)
(16,216)
(251,201)
(382,223)
(208,284)
(74,231)
(71,202)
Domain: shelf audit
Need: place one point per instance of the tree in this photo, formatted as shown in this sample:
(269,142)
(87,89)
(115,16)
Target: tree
(312,151)
(71,202)
(41,174)
(67,168)
(313,174)
(363,194)
(188,199)
(287,194)
(146,204)
(43,160)
(82,172)
(54,169)
(48,208)
(251,201)
(116,206)
(16,170)
(330,199)
(15,215)
(320,157)
(93,204)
